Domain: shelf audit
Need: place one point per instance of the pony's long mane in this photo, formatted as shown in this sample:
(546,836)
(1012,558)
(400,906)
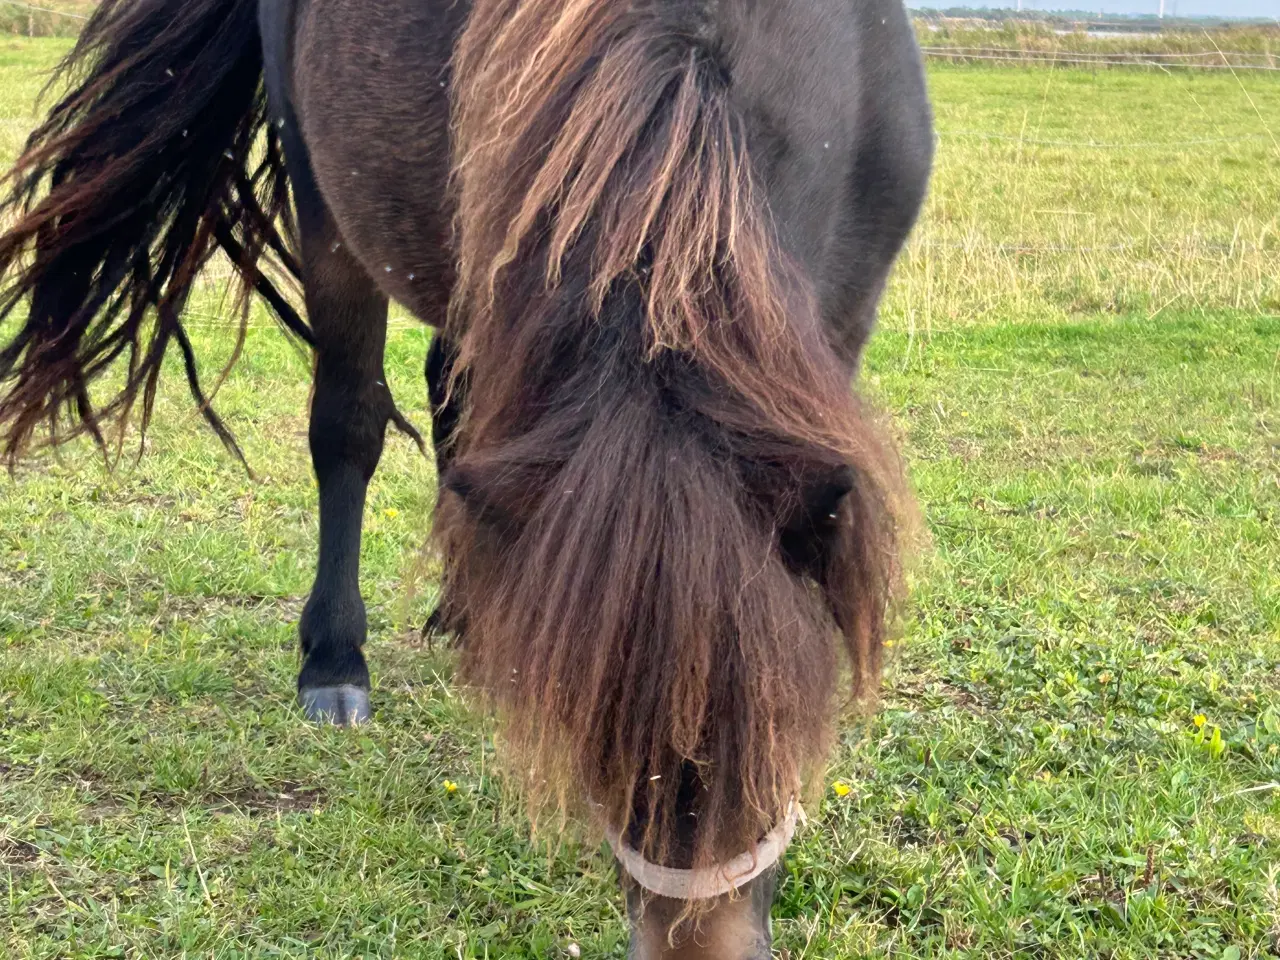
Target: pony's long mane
(666,501)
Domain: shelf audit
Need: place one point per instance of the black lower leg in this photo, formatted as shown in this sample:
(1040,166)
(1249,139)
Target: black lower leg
(350,411)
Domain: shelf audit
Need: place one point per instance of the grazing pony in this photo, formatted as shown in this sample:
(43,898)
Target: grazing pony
(651,236)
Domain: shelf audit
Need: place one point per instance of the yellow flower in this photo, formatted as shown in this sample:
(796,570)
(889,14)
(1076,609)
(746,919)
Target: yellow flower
(841,788)
(391,513)
(450,787)
(1200,720)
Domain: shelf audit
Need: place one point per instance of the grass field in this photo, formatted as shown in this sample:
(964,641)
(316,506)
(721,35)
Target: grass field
(1079,746)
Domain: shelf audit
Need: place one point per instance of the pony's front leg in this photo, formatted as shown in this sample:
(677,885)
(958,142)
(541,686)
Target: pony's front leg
(350,410)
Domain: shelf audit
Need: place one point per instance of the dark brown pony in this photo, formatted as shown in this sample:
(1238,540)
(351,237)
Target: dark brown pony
(652,235)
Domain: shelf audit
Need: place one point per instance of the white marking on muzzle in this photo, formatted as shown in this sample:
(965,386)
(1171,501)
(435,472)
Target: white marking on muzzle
(709,882)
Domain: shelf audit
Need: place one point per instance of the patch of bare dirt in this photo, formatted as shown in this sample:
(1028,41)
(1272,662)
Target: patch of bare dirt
(261,802)
(17,853)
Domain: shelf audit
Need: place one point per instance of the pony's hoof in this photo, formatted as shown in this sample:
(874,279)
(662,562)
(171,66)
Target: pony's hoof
(344,705)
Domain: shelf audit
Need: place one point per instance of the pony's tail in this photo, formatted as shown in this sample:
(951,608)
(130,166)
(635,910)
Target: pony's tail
(149,164)
(667,501)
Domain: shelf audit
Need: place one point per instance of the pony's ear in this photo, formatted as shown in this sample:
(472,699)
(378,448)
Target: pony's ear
(460,481)
(489,501)
(824,494)
(807,528)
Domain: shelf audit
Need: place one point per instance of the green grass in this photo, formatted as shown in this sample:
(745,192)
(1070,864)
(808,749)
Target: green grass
(1095,438)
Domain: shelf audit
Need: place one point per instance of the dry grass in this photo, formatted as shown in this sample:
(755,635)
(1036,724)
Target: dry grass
(1062,192)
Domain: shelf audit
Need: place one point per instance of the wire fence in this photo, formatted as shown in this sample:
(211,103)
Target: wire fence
(1217,248)
(1192,61)
(38,19)
(57,13)
(1226,55)
(943,135)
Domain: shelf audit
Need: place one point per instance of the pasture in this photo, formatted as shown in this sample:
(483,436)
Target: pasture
(1078,750)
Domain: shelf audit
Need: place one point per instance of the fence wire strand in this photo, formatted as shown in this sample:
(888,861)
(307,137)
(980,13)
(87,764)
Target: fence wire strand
(1102,144)
(1214,54)
(56,13)
(1035,58)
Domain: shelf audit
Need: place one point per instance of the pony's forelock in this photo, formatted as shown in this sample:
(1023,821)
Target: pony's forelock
(653,398)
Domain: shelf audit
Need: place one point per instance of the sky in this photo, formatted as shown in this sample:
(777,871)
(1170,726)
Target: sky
(1185,8)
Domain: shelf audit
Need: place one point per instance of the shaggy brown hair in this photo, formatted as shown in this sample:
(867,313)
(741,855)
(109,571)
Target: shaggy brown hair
(666,501)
